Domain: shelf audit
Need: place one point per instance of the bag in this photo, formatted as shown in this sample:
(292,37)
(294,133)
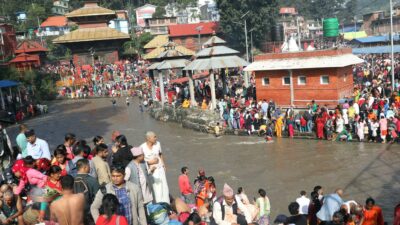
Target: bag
(80,186)
(73,171)
(158,214)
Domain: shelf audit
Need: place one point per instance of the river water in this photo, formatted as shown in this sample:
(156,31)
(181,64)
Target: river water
(283,168)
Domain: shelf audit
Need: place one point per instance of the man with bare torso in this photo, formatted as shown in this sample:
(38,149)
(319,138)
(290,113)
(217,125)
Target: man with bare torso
(69,208)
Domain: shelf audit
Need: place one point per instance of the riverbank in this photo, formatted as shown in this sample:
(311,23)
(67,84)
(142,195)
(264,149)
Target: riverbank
(205,121)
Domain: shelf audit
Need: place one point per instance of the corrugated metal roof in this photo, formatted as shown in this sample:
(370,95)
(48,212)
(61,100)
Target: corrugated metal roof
(217,62)
(153,66)
(216,51)
(156,52)
(336,61)
(375,39)
(214,40)
(55,21)
(157,41)
(179,30)
(91,34)
(172,64)
(376,50)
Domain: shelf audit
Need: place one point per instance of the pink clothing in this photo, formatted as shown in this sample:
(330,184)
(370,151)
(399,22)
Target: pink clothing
(70,155)
(34,177)
(184,185)
(383,124)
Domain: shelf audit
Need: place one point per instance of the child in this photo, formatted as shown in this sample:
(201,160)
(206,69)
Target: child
(374,129)
(217,130)
(23,169)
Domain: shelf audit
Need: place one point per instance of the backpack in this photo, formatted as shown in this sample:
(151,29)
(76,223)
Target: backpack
(72,170)
(80,186)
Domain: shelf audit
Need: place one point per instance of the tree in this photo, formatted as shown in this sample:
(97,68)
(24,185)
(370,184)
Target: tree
(349,11)
(160,12)
(261,16)
(136,44)
(35,15)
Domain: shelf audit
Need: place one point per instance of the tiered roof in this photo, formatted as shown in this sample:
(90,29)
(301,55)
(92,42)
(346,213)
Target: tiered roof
(91,34)
(29,46)
(90,10)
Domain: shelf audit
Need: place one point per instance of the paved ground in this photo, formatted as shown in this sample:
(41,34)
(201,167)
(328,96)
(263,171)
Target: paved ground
(283,168)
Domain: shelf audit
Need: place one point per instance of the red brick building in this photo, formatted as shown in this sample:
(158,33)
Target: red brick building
(8,41)
(297,78)
(187,35)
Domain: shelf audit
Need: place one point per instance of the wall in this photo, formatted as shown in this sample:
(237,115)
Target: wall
(313,89)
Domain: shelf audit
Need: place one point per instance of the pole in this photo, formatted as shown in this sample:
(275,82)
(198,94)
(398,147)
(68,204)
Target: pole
(161,82)
(246,75)
(355,26)
(3,105)
(291,87)
(191,90)
(212,87)
(251,48)
(298,33)
(247,45)
(391,42)
(199,36)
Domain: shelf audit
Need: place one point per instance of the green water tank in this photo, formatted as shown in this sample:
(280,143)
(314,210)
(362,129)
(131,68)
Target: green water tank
(331,27)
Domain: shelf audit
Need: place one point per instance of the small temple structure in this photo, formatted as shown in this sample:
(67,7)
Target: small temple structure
(93,40)
(29,55)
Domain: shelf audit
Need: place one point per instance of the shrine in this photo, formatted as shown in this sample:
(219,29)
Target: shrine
(93,40)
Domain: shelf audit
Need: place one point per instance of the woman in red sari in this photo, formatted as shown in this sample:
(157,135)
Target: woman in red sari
(60,159)
(320,127)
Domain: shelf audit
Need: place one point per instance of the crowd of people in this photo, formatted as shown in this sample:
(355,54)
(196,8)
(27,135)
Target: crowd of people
(82,183)
(102,80)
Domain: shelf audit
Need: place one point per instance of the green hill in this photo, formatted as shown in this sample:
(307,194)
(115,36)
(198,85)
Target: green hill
(367,6)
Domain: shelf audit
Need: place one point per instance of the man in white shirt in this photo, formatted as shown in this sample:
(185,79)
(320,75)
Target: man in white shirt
(37,148)
(303,202)
(226,208)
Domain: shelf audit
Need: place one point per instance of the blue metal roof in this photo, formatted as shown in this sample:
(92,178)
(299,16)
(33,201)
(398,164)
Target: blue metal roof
(376,39)
(8,83)
(376,50)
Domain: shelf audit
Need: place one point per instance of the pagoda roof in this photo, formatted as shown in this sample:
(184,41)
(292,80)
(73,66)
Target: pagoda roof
(28,46)
(23,57)
(91,34)
(90,10)
(157,41)
(156,52)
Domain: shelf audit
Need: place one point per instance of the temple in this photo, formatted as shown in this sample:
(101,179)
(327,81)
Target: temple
(93,40)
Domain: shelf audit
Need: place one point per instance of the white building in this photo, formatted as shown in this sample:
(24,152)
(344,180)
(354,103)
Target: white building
(54,26)
(121,23)
(60,7)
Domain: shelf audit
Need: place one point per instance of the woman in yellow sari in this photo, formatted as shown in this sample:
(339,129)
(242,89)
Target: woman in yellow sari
(278,126)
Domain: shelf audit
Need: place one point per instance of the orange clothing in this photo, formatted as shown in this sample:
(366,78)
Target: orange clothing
(203,194)
(373,216)
(372,116)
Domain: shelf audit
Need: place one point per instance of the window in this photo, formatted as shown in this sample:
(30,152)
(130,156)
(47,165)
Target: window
(345,77)
(302,80)
(324,79)
(265,81)
(286,80)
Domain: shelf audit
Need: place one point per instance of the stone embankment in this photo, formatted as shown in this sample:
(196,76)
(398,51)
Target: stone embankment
(195,119)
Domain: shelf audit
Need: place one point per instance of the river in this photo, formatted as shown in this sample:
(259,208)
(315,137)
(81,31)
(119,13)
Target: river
(283,168)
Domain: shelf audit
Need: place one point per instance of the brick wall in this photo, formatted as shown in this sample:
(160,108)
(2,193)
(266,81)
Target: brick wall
(339,86)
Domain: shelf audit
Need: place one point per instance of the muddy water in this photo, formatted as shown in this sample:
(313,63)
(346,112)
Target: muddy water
(283,168)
